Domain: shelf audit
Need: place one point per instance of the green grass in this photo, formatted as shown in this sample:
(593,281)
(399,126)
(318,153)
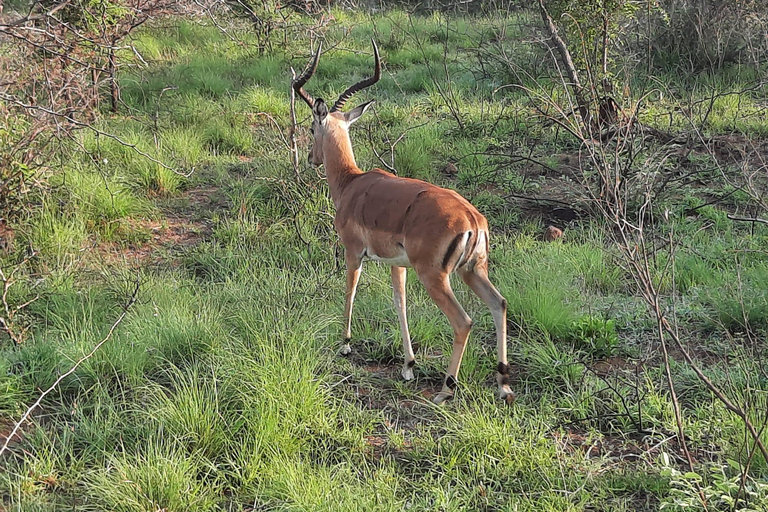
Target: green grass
(223,389)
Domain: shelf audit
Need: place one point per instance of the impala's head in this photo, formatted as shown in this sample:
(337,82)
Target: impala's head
(327,121)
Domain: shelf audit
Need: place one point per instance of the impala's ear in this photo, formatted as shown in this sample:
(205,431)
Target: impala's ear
(354,114)
(320,110)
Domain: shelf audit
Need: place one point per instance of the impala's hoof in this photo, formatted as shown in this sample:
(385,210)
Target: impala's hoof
(507,395)
(442,397)
(407,373)
(345,350)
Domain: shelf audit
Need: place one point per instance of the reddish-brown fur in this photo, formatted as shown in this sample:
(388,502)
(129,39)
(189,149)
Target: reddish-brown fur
(383,212)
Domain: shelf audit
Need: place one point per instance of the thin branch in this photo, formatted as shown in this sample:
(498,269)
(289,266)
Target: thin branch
(7,322)
(292,130)
(565,57)
(95,130)
(748,219)
(34,406)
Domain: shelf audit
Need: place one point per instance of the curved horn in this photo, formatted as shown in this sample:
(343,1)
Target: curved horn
(298,84)
(359,86)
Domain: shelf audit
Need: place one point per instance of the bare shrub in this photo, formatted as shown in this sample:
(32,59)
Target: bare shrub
(58,60)
(706,34)
(621,164)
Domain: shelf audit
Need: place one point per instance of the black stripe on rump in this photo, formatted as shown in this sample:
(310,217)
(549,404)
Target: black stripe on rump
(451,249)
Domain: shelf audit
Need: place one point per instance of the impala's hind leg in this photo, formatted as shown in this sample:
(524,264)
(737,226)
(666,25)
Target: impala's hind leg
(477,280)
(353,276)
(398,288)
(439,288)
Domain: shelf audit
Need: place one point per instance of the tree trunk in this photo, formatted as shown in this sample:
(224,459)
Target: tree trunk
(570,68)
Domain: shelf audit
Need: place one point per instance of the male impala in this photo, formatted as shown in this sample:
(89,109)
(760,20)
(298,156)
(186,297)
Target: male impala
(405,223)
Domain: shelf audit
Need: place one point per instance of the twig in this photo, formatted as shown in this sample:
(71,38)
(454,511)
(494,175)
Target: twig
(565,56)
(673,397)
(748,219)
(95,130)
(277,128)
(539,200)
(292,131)
(714,389)
(7,323)
(29,411)
(513,157)
(391,166)
(445,92)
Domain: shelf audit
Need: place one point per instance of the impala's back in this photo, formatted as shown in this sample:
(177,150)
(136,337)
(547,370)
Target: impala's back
(393,220)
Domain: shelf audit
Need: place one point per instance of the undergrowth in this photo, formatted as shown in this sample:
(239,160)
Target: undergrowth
(223,389)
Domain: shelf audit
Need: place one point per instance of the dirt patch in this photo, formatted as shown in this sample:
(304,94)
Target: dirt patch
(610,366)
(550,211)
(624,448)
(171,234)
(629,448)
(185,223)
(633,447)
(559,196)
(7,235)
(380,370)
(379,446)
(376,444)
(735,148)
(6,427)
(430,390)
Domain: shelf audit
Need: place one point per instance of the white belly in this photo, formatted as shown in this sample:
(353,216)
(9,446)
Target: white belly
(401,260)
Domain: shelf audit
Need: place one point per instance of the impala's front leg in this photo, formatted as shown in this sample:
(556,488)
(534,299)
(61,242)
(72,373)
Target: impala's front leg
(353,275)
(398,288)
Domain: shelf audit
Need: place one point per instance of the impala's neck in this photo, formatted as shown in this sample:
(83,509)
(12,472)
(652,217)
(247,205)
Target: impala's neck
(339,160)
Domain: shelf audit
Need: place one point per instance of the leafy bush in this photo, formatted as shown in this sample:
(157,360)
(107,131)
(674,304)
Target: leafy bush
(723,491)
(595,335)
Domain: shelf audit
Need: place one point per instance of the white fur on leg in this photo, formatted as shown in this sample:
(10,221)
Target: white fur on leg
(448,390)
(407,373)
(345,350)
(506,394)
(442,397)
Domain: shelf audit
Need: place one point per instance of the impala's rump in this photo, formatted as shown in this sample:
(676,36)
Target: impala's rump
(465,250)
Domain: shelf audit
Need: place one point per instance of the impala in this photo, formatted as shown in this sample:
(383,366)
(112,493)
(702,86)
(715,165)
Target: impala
(404,223)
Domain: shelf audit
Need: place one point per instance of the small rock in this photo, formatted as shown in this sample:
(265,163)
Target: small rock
(451,169)
(552,233)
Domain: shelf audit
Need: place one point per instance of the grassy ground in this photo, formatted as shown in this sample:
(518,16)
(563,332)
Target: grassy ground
(223,390)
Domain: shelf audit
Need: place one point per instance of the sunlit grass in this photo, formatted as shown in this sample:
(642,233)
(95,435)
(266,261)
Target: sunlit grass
(223,390)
